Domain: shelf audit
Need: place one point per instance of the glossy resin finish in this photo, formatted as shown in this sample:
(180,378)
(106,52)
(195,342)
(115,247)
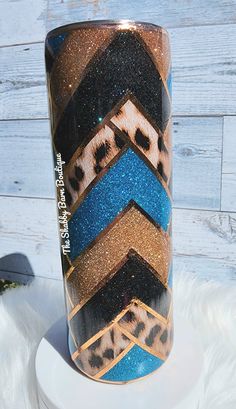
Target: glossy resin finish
(110,102)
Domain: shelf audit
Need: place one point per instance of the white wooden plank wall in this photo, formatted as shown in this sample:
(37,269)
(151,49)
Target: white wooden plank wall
(204,129)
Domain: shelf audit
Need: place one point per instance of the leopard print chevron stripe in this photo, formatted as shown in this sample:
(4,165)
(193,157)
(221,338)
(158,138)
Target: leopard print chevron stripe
(138,326)
(110,106)
(107,143)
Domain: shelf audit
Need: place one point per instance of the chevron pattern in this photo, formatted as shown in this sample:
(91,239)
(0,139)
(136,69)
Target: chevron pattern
(111,125)
(127,128)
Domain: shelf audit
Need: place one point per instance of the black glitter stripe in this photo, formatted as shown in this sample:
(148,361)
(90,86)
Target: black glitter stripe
(124,67)
(135,279)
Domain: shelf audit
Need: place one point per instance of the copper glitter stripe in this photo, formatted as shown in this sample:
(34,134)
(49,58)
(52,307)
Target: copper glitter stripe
(67,74)
(156,61)
(85,300)
(158,47)
(133,230)
(131,204)
(80,305)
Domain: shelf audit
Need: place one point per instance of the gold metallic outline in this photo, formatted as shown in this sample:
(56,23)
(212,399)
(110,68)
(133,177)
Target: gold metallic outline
(141,155)
(101,50)
(77,307)
(119,382)
(95,130)
(96,289)
(115,159)
(97,178)
(140,344)
(110,124)
(119,216)
(100,333)
(151,311)
(150,54)
(115,361)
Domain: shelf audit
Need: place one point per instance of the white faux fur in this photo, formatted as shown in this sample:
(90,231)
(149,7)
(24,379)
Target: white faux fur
(27,312)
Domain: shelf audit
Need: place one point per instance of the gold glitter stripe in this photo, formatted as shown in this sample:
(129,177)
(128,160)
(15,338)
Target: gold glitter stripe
(135,301)
(158,44)
(99,264)
(114,362)
(140,344)
(155,62)
(85,300)
(67,73)
(131,204)
(103,233)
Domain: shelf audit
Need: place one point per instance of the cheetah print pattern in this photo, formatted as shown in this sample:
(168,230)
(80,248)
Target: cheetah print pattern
(102,352)
(149,330)
(146,328)
(105,146)
(152,143)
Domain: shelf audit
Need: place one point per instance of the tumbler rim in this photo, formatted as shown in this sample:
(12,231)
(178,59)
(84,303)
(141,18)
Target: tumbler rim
(94,23)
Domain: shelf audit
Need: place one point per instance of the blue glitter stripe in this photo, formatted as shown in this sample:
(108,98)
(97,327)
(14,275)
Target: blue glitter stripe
(135,364)
(129,178)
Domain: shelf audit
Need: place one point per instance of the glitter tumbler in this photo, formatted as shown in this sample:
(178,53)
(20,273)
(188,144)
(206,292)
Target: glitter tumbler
(109,86)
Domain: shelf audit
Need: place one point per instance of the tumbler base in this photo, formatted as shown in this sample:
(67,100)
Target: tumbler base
(177,384)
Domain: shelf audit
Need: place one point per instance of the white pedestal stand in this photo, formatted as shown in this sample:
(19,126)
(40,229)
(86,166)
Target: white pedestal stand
(178,384)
